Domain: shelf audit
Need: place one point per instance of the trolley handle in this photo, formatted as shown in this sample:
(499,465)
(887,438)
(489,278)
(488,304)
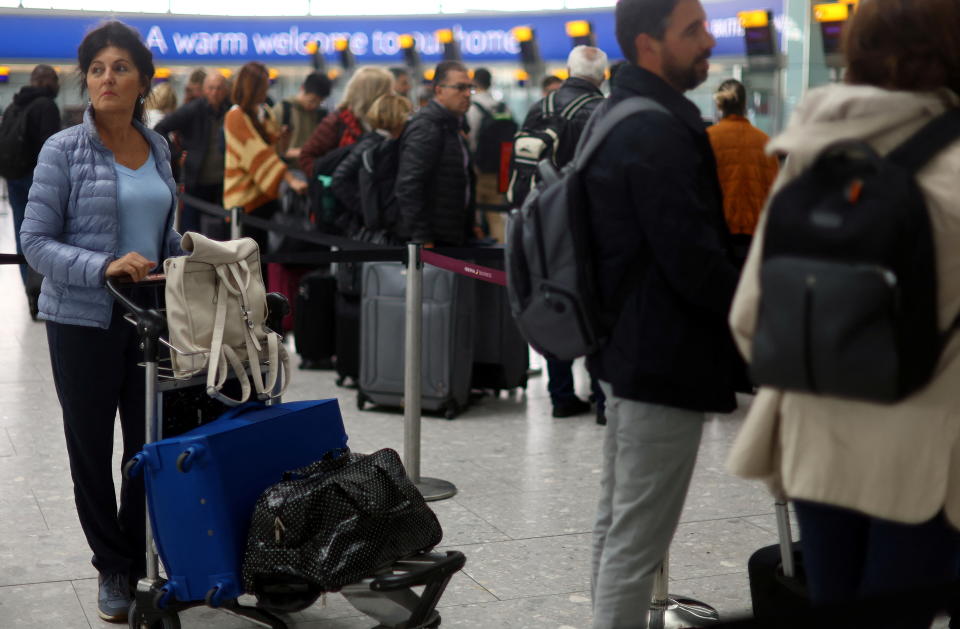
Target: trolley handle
(420,571)
(150,322)
(114,283)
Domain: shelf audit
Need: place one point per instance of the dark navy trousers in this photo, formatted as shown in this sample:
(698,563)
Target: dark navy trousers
(96,374)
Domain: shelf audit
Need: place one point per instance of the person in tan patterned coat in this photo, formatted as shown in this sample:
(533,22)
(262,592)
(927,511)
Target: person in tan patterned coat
(253,171)
(876,487)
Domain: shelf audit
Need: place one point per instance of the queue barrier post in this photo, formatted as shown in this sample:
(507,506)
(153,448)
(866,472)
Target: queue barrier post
(431,488)
(669,611)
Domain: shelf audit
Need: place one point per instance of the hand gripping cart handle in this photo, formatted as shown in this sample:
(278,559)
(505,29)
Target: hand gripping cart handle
(150,609)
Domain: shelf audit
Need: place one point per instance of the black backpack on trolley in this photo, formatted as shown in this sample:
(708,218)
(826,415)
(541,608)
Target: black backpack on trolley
(848,304)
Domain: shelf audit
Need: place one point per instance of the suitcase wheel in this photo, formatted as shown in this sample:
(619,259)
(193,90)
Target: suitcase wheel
(133,467)
(340,380)
(361,401)
(451,410)
(187,457)
(214,597)
(136,620)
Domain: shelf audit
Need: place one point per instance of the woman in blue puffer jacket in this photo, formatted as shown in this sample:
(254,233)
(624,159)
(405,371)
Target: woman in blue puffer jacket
(102,206)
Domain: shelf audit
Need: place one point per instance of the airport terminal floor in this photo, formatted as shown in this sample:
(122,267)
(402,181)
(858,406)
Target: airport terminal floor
(523,515)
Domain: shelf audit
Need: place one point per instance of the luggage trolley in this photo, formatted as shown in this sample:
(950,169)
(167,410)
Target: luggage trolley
(386,596)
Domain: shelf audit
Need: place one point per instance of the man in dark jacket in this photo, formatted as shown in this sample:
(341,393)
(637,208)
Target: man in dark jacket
(435,182)
(586,66)
(199,127)
(43,120)
(665,270)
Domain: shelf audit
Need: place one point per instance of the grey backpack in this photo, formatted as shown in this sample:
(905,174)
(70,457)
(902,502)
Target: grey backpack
(551,283)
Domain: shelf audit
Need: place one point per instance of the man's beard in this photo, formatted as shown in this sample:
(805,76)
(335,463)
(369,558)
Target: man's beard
(684,78)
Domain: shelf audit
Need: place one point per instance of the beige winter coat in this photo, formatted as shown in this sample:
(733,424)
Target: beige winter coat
(899,462)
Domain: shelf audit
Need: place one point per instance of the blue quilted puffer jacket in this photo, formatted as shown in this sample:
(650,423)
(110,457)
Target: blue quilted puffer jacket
(72,229)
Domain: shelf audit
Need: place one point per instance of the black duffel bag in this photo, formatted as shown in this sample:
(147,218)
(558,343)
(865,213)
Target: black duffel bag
(335,522)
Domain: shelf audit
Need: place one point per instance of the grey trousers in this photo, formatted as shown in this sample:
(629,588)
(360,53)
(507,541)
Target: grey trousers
(649,452)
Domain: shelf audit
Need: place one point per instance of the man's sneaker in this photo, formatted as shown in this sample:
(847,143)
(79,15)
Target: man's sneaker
(576,406)
(113,599)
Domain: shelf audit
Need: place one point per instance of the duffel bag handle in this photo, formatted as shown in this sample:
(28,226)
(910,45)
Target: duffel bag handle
(333,460)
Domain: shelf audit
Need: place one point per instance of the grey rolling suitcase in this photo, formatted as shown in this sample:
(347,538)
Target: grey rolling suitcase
(448,303)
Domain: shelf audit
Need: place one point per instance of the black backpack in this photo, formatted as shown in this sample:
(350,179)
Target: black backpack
(296,213)
(377,180)
(497,127)
(15,162)
(331,215)
(551,282)
(542,141)
(848,280)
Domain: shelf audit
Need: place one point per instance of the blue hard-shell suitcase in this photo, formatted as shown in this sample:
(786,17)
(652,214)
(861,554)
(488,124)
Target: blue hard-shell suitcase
(202,487)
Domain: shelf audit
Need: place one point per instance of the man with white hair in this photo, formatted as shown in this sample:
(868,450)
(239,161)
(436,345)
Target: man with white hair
(565,112)
(587,68)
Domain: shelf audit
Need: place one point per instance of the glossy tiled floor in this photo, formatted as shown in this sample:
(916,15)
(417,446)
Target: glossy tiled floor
(523,515)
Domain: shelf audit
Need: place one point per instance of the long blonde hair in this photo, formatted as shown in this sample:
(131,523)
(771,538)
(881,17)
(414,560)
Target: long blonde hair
(366,86)
(389,112)
(162,98)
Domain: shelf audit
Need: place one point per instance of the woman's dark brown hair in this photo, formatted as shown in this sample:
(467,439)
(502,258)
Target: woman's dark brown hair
(251,82)
(904,45)
(120,35)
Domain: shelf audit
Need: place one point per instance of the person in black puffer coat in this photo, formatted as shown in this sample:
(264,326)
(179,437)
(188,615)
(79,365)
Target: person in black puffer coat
(387,117)
(435,181)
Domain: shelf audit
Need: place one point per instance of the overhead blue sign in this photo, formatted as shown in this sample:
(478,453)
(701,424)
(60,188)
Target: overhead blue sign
(28,36)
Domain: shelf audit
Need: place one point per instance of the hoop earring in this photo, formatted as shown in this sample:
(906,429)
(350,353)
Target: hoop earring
(140,100)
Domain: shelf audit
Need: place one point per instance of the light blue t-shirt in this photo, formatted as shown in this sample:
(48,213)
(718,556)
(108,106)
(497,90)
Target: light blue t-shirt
(144,206)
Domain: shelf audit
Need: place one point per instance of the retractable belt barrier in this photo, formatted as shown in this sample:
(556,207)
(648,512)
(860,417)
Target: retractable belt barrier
(350,250)
(468,269)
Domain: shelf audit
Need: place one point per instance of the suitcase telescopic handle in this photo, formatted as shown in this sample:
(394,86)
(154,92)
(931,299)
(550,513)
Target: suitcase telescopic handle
(785,534)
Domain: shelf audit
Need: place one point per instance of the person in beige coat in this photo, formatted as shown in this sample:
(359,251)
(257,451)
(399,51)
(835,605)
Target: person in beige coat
(876,487)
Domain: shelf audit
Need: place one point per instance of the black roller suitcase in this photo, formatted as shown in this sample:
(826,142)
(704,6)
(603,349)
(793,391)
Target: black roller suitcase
(501,354)
(778,586)
(314,325)
(348,338)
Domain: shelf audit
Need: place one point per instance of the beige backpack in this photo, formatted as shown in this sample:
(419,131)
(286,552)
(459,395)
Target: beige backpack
(216,312)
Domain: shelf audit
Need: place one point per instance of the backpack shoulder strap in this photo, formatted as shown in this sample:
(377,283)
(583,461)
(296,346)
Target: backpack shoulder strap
(577,104)
(549,104)
(602,127)
(926,143)
(483,110)
(287,107)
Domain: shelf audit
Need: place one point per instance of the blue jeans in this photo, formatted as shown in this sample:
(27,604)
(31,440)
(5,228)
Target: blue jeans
(848,555)
(19,190)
